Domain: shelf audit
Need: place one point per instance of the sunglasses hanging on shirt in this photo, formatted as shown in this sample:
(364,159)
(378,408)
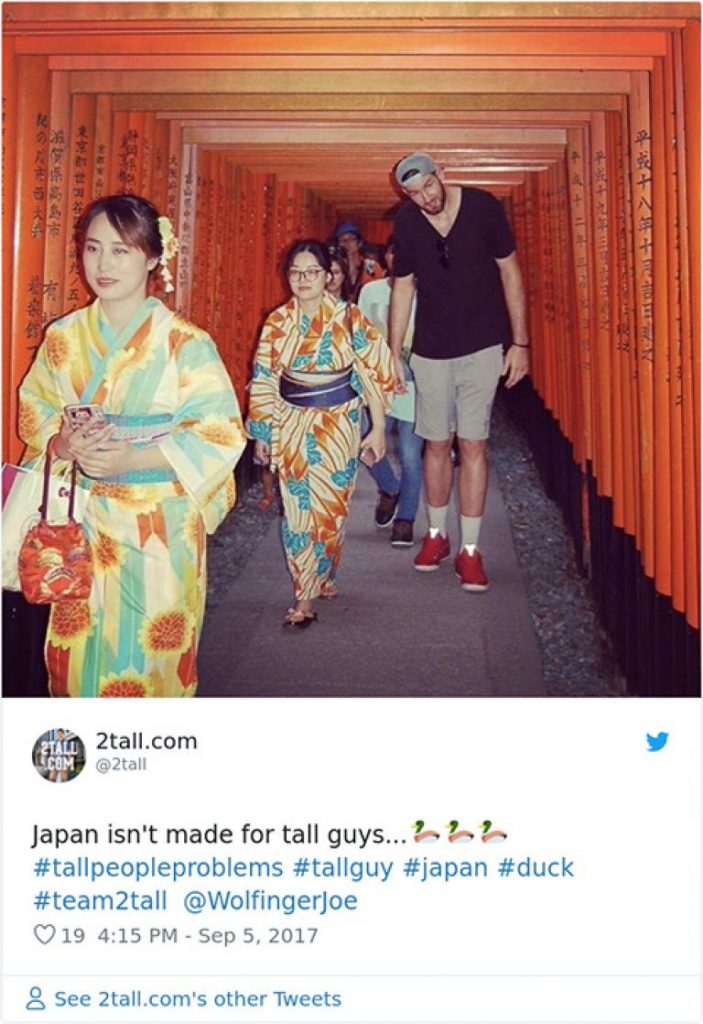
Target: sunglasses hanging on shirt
(443,252)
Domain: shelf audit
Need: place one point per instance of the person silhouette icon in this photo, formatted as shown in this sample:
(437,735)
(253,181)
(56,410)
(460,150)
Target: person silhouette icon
(35,1001)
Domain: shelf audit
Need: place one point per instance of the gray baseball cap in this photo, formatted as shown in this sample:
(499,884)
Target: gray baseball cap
(413,166)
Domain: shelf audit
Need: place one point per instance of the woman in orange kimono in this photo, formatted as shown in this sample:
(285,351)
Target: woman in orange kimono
(318,361)
(159,473)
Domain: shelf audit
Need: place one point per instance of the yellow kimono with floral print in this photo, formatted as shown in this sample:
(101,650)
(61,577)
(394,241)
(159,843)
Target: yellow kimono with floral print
(160,380)
(316,450)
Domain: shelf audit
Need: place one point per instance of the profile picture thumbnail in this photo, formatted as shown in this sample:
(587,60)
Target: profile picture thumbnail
(59,755)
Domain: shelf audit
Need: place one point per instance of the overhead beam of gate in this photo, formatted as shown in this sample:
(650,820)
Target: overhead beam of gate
(386,82)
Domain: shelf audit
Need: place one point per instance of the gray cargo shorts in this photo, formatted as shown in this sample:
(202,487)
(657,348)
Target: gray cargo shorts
(455,396)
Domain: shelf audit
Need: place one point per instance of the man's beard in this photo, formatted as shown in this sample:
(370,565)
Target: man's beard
(437,204)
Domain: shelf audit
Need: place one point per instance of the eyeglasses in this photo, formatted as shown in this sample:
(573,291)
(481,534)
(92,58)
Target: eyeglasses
(306,275)
(443,250)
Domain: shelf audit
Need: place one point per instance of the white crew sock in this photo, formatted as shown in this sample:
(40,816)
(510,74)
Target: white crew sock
(437,517)
(470,528)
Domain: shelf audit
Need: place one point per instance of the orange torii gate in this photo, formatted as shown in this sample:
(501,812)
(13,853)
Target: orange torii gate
(251,127)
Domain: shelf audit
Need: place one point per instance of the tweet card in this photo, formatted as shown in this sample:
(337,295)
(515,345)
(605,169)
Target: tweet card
(351,861)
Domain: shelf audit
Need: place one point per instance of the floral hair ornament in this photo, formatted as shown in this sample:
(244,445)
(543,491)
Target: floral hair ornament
(169,248)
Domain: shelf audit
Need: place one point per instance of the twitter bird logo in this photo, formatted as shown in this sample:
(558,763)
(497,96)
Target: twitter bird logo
(657,742)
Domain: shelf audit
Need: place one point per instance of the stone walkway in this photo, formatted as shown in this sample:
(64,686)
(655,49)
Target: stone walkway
(392,632)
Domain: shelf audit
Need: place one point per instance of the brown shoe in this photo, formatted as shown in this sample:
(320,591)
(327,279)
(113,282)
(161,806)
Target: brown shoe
(402,535)
(385,509)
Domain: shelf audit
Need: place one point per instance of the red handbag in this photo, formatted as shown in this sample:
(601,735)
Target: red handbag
(55,559)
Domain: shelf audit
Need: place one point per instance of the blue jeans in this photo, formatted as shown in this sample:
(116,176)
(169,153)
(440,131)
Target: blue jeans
(410,455)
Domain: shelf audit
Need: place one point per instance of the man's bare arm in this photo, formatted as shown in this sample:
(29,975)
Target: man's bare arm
(401,305)
(516,363)
(514,297)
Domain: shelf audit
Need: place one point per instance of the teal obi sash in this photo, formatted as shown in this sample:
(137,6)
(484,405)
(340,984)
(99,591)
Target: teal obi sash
(142,432)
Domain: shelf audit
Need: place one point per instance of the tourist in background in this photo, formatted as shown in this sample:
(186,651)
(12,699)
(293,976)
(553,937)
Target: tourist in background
(348,236)
(399,497)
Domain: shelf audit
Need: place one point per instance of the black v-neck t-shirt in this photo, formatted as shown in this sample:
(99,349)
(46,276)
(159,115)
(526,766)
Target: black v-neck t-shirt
(460,307)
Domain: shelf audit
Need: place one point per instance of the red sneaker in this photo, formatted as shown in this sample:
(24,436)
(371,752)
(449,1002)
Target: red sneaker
(433,550)
(469,569)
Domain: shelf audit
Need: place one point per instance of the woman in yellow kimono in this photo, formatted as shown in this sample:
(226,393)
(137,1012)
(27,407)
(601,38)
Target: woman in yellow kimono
(159,472)
(318,361)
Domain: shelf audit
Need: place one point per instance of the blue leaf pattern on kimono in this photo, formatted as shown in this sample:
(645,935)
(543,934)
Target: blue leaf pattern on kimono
(359,341)
(345,477)
(294,542)
(300,489)
(356,382)
(312,450)
(324,566)
(260,430)
(319,548)
(261,371)
(324,352)
(302,361)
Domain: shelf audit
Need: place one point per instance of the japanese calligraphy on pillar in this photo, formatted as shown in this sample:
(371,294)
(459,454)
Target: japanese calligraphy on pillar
(214,222)
(600,189)
(100,166)
(579,185)
(34,305)
(145,187)
(559,213)
(102,146)
(156,180)
(642,200)
(218,263)
(82,148)
(186,227)
(548,307)
(127,175)
(40,176)
(199,306)
(642,242)
(624,220)
(237,187)
(602,273)
(54,214)
(577,194)
(531,246)
(675,249)
(172,187)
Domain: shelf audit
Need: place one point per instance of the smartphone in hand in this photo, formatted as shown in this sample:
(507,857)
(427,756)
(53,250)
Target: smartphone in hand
(80,415)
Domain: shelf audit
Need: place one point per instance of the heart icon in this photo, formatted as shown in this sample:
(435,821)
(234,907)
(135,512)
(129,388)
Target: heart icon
(44,933)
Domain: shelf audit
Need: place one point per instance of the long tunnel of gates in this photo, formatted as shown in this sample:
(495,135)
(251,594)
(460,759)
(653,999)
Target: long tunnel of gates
(252,124)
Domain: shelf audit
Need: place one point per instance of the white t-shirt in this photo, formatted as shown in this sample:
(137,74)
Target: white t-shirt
(375,303)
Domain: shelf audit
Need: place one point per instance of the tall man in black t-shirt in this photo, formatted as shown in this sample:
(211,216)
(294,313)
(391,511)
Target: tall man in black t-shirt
(454,245)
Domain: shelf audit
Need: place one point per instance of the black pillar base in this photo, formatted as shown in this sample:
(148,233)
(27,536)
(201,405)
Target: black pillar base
(657,651)
(23,631)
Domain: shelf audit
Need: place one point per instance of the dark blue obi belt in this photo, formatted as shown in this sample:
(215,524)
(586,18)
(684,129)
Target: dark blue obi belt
(318,396)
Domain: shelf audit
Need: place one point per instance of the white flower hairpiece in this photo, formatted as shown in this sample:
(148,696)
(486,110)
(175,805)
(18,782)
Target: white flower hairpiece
(169,244)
